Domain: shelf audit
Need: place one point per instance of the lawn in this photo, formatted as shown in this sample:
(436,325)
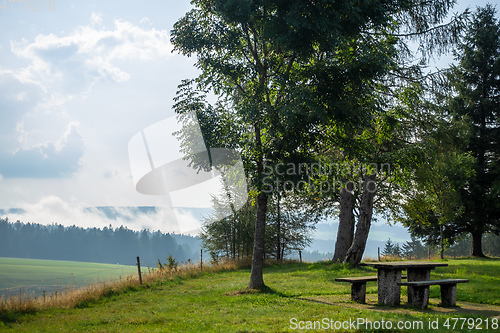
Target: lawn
(298,296)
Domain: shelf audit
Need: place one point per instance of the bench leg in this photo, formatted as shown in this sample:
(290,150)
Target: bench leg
(449,295)
(420,297)
(415,274)
(358,292)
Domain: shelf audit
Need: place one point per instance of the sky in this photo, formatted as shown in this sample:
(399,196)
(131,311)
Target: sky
(78,80)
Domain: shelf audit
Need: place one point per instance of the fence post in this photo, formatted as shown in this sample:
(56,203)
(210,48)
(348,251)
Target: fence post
(300,256)
(378,251)
(139,269)
(201,260)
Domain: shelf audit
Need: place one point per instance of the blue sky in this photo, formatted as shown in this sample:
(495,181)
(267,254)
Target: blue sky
(76,84)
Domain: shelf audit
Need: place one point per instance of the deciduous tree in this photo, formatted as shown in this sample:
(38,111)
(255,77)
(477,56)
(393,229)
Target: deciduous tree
(293,72)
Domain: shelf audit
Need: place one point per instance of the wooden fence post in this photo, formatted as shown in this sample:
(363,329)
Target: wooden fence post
(300,256)
(378,251)
(139,270)
(201,260)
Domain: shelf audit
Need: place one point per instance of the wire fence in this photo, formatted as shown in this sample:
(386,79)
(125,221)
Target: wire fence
(58,285)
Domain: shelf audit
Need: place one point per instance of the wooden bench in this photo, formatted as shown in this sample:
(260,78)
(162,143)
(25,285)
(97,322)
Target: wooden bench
(358,286)
(420,298)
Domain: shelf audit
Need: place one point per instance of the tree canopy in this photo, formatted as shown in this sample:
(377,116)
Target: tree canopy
(298,78)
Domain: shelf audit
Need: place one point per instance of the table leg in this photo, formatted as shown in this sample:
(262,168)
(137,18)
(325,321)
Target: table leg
(388,289)
(358,292)
(417,274)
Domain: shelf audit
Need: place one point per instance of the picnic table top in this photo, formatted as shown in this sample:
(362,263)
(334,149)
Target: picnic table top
(403,264)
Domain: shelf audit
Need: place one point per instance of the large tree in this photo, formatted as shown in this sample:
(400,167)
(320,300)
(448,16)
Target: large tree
(290,71)
(454,187)
(476,82)
(389,138)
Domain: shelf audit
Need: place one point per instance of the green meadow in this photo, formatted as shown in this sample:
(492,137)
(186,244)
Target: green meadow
(298,297)
(33,276)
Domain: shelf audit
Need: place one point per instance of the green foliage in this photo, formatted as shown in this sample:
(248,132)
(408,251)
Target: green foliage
(289,229)
(475,81)
(414,249)
(172,263)
(410,250)
(231,236)
(299,79)
(490,246)
(453,191)
(388,248)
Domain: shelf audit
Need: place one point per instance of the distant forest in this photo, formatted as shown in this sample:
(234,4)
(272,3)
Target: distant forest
(107,245)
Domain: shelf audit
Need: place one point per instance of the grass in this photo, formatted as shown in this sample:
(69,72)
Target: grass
(33,276)
(217,301)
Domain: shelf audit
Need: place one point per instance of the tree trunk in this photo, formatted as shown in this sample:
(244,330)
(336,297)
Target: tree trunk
(477,248)
(256,277)
(441,241)
(345,232)
(355,252)
(278,231)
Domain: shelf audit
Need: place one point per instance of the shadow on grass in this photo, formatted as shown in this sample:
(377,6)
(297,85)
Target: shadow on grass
(264,291)
(435,307)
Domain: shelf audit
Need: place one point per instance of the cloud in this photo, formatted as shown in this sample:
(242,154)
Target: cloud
(42,99)
(53,209)
(47,160)
(96,19)
(91,50)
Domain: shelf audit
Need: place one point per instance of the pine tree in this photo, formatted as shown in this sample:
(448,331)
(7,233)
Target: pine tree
(476,82)
(389,248)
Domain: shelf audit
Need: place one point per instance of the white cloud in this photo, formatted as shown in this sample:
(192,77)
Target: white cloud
(49,159)
(96,19)
(53,209)
(70,139)
(42,99)
(92,48)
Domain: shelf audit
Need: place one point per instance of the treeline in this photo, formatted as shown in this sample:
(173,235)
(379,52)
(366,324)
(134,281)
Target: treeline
(415,249)
(107,245)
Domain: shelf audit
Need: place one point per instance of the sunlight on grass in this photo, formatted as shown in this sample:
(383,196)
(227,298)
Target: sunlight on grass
(187,300)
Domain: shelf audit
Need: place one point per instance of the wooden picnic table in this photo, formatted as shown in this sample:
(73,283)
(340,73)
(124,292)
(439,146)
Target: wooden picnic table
(389,275)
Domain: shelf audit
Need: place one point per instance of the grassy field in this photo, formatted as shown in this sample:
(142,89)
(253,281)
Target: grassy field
(32,276)
(297,295)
